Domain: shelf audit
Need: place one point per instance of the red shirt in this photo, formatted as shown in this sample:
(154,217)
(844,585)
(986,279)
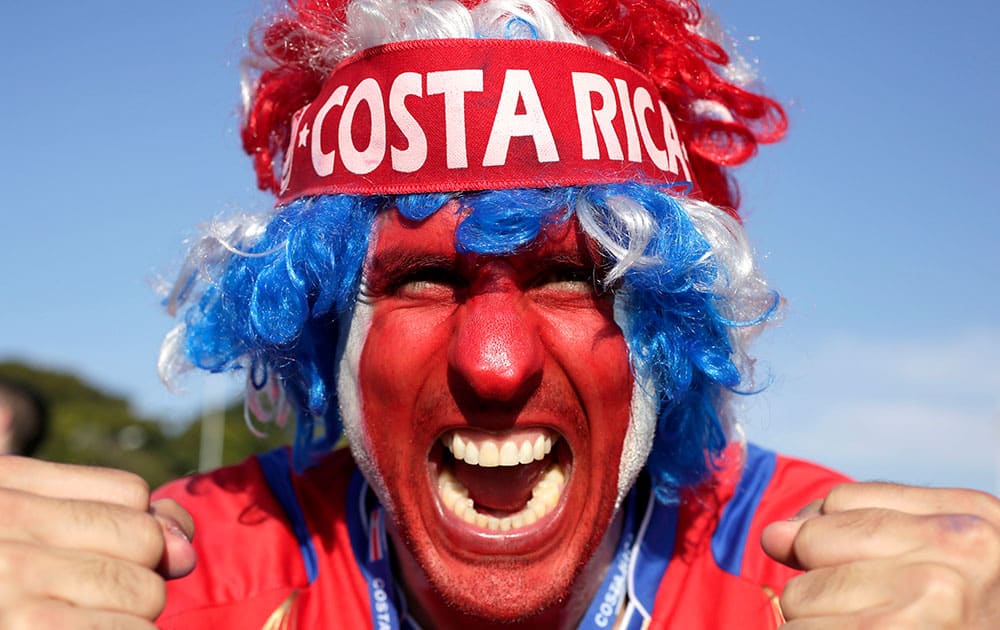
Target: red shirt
(273,546)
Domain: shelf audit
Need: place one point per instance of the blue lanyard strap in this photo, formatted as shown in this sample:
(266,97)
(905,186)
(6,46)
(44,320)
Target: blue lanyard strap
(366,526)
(640,560)
(608,599)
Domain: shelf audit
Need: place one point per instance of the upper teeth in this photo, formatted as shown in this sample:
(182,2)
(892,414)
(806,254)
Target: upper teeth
(491,453)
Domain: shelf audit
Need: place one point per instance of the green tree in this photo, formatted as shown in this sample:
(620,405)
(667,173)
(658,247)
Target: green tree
(90,426)
(239,441)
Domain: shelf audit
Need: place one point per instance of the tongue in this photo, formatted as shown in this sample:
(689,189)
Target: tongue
(503,488)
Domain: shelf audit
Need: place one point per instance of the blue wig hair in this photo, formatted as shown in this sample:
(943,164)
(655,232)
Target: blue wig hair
(281,304)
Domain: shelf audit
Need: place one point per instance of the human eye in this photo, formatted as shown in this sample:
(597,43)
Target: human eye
(412,276)
(568,279)
(428,282)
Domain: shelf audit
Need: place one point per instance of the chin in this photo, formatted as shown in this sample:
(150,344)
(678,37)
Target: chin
(500,590)
(508,563)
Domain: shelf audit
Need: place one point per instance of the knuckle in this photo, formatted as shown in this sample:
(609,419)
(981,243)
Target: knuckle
(8,500)
(133,488)
(808,543)
(889,621)
(802,543)
(148,538)
(990,506)
(839,497)
(863,522)
(33,615)
(936,587)
(137,535)
(13,561)
(875,622)
(797,592)
(982,504)
(8,559)
(812,543)
(85,516)
(966,536)
(11,466)
(152,594)
(155,591)
(12,508)
(913,614)
(128,587)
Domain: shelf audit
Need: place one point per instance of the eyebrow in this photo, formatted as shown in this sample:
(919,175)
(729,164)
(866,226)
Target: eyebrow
(577,258)
(397,259)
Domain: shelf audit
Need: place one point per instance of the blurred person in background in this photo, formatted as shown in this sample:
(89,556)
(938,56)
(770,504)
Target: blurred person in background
(24,418)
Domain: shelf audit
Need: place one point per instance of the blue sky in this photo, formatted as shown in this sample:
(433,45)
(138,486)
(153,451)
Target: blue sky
(876,218)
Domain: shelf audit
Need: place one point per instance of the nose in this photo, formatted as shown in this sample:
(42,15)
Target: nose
(496,348)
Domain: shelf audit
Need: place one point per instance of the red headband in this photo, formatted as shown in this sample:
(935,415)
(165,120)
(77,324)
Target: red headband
(480,114)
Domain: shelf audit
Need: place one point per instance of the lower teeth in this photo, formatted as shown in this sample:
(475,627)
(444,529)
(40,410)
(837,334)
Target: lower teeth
(544,498)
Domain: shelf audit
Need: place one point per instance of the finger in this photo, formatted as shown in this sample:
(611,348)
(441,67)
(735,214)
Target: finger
(67,481)
(45,614)
(838,622)
(880,594)
(967,543)
(778,538)
(79,578)
(913,500)
(882,584)
(836,590)
(888,619)
(178,530)
(109,529)
(846,537)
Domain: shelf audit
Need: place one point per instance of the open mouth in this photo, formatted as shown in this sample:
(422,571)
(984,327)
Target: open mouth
(501,483)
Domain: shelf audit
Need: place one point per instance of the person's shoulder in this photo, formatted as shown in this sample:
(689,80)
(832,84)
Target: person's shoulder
(718,574)
(225,491)
(751,487)
(230,484)
(784,486)
(764,484)
(793,483)
(251,521)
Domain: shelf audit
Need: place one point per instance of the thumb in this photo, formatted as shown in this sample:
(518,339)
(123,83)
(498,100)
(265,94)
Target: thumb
(179,556)
(778,538)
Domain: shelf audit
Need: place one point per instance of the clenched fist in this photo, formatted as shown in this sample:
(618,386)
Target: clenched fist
(82,547)
(880,555)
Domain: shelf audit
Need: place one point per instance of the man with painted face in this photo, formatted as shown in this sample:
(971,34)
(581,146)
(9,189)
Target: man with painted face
(506,264)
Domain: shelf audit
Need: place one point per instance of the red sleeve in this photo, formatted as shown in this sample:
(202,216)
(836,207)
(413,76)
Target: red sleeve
(698,592)
(233,512)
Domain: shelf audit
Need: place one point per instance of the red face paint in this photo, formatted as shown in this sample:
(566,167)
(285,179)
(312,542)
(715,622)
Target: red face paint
(518,359)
